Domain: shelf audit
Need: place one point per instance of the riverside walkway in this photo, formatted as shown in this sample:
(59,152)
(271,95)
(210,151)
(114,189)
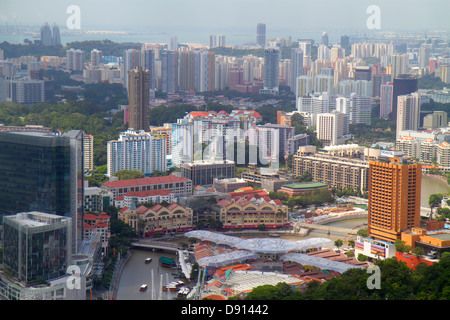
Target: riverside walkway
(326,228)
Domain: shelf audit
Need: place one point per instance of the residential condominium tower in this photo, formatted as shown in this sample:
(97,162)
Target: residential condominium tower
(144,151)
(394,197)
(139,99)
(271,71)
(261,34)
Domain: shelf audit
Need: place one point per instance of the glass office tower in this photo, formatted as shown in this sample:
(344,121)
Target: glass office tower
(42,171)
(37,245)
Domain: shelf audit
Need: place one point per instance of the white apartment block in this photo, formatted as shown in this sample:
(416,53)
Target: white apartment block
(88,141)
(145,151)
(331,128)
(408,112)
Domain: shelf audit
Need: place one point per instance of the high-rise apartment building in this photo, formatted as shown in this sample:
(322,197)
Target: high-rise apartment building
(88,150)
(221,40)
(261,34)
(169,71)
(271,71)
(144,151)
(56,36)
(96,57)
(204,71)
(408,112)
(357,108)
(27,91)
(46,35)
(424,55)
(296,67)
(75,59)
(331,128)
(131,60)
(138,99)
(273,140)
(172,43)
(148,63)
(304,86)
(386,96)
(394,197)
(399,65)
(212,41)
(324,40)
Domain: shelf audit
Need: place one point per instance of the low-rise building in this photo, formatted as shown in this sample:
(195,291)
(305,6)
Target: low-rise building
(148,196)
(250,212)
(180,186)
(97,199)
(299,189)
(173,218)
(431,236)
(229,185)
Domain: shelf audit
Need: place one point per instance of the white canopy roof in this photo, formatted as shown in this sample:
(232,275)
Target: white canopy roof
(259,245)
(224,259)
(321,263)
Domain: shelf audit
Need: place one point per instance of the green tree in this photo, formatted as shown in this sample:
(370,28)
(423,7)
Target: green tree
(433,201)
(338,243)
(129,174)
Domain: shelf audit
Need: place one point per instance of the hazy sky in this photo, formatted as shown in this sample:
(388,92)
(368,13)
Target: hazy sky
(287,15)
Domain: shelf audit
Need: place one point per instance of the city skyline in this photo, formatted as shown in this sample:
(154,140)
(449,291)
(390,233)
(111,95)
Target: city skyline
(286,16)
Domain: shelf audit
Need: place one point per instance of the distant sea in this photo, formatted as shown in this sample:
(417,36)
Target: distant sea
(186,36)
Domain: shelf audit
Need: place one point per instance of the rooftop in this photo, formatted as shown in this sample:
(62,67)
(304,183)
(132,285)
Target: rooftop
(305,185)
(144,181)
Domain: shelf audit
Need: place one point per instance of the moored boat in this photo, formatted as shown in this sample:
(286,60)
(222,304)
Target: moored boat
(183,292)
(173,286)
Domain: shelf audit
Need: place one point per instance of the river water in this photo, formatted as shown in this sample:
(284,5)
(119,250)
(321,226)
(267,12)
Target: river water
(429,186)
(137,272)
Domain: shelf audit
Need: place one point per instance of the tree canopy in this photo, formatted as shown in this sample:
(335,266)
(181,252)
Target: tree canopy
(397,282)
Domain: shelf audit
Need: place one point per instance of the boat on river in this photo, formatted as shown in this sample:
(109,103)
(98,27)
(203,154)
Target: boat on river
(167,262)
(143,287)
(183,292)
(173,286)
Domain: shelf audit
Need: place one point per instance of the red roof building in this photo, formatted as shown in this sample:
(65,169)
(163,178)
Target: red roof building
(180,186)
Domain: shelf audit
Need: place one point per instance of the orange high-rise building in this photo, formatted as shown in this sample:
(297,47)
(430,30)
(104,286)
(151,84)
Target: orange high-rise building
(394,198)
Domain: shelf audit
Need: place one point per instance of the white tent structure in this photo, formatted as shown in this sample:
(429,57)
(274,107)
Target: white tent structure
(251,248)
(321,263)
(261,245)
(225,259)
(213,237)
